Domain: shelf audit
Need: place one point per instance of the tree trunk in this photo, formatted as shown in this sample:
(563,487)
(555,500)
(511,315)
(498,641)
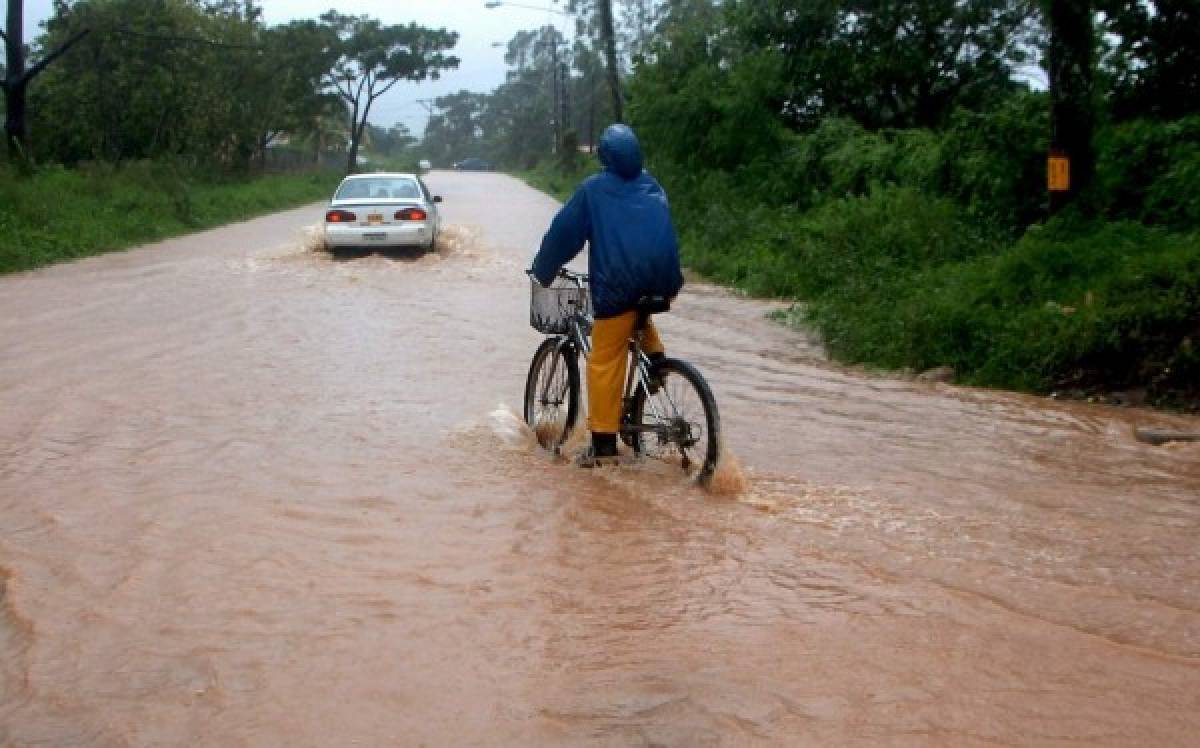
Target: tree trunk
(1071,72)
(352,158)
(610,54)
(356,132)
(555,81)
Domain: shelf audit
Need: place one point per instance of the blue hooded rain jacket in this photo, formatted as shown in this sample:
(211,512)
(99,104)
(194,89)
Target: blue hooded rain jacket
(622,214)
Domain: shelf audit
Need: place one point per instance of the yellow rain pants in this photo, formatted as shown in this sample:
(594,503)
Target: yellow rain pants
(607,364)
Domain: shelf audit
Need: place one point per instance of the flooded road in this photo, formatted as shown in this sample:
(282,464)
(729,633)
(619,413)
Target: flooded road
(253,495)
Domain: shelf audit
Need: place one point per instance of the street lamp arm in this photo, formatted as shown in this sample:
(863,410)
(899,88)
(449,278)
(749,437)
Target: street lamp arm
(499,3)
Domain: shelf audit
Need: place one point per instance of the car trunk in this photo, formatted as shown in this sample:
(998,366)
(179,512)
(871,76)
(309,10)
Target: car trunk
(377,212)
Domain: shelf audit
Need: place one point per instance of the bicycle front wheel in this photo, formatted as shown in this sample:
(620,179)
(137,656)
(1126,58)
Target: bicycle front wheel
(679,422)
(552,393)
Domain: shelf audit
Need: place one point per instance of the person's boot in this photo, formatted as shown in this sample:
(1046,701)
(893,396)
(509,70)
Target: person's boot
(654,376)
(603,451)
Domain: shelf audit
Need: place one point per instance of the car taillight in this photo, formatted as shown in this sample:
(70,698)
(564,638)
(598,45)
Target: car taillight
(340,216)
(411,214)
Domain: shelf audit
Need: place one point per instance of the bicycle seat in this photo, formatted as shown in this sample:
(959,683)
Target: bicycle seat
(652,305)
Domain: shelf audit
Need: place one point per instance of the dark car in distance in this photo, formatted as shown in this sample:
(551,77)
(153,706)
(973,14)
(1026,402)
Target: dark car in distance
(473,164)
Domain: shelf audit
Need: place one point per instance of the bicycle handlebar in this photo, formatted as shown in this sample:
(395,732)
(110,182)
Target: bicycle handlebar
(571,275)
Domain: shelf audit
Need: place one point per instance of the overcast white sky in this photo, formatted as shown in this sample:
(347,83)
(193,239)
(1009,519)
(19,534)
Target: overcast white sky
(482,67)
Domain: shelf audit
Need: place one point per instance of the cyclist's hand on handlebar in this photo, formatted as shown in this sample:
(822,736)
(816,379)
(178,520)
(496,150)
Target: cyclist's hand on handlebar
(571,275)
(531,274)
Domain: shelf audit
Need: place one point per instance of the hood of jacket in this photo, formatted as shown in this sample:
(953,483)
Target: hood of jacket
(620,152)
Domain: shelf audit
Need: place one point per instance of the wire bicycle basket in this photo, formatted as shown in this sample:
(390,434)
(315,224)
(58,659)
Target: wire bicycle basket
(551,309)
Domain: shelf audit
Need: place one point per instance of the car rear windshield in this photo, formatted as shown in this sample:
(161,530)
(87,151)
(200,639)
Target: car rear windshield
(371,188)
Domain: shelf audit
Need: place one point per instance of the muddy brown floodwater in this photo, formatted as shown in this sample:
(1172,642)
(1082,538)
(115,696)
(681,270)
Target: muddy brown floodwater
(253,495)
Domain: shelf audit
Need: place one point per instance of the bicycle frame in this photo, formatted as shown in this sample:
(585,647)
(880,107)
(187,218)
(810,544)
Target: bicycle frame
(637,368)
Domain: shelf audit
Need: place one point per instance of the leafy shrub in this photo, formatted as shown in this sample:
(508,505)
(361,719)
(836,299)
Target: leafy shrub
(1149,171)
(995,162)
(1071,304)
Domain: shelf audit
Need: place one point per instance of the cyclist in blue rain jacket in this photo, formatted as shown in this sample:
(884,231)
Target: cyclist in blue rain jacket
(622,215)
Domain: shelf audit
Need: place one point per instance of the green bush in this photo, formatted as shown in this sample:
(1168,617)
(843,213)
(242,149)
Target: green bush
(1072,304)
(995,162)
(1149,171)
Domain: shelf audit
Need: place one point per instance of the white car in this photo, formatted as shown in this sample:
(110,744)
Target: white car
(381,211)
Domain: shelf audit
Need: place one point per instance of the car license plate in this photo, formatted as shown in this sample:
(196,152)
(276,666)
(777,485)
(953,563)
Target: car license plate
(375,236)
(374,218)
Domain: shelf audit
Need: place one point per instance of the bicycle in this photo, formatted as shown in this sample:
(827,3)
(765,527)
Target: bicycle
(668,409)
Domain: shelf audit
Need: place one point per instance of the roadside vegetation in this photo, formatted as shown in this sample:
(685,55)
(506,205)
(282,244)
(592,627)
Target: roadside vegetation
(886,168)
(63,214)
(913,250)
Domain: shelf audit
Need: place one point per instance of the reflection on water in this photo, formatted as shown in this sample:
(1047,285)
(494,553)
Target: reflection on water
(265,497)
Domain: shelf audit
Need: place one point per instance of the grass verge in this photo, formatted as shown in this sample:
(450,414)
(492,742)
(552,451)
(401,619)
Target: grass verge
(61,214)
(551,179)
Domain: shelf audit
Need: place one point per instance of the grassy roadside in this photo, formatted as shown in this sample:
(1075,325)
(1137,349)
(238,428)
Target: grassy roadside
(556,183)
(64,214)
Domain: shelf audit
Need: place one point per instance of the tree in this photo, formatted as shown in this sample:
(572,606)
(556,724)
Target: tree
(733,98)
(177,79)
(17,77)
(608,37)
(516,123)
(373,58)
(391,142)
(1154,64)
(289,76)
(901,63)
(596,17)
(455,132)
(588,91)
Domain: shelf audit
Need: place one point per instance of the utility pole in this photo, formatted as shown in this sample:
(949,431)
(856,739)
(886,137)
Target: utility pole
(1072,159)
(591,76)
(565,108)
(609,37)
(17,79)
(556,82)
(429,105)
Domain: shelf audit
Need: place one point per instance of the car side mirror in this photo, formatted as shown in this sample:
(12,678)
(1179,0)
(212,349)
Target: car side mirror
(437,198)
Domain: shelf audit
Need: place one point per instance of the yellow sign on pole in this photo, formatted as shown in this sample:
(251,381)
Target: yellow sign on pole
(1058,172)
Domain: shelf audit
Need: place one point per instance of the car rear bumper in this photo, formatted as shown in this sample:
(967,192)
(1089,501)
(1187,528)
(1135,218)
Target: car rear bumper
(409,234)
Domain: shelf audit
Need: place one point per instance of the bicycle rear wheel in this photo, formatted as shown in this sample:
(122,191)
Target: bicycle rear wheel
(552,393)
(680,421)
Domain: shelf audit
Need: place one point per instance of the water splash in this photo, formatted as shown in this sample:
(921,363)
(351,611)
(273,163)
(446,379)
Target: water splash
(457,239)
(729,479)
(510,429)
(578,440)
(312,239)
